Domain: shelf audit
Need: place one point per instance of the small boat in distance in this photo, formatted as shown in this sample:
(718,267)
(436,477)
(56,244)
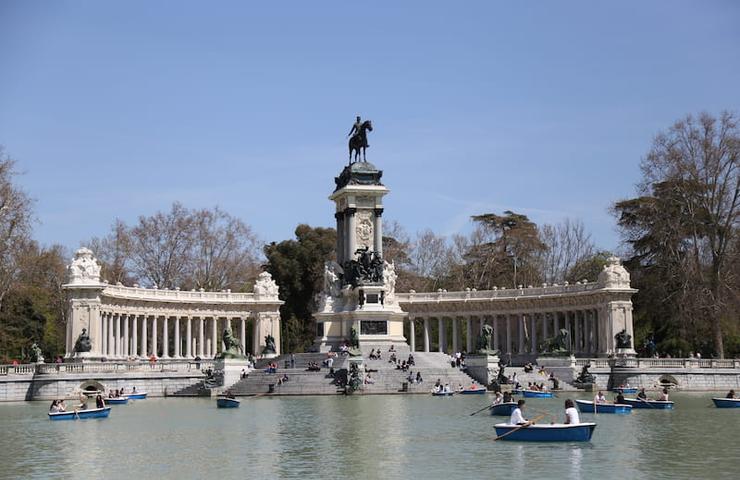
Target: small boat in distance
(81,414)
(726,402)
(442,394)
(226,402)
(624,390)
(503,409)
(649,404)
(116,400)
(588,407)
(537,394)
(136,395)
(473,391)
(553,432)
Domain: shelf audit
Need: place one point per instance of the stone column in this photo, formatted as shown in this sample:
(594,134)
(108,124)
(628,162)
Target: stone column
(214,336)
(339,216)
(412,334)
(165,337)
(378,231)
(189,337)
(455,339)
(426,334)
(577,332)
(226,325)
(508,333)
(496,327)
(104,346)
(144,335)
(135,336)
(177,337)
(155,350)
(124,343)
(441,326)
(545,326)
(533,333)
(520,321)
(116,334)
(243,333)
(469,334)
(351,233)
(201,331)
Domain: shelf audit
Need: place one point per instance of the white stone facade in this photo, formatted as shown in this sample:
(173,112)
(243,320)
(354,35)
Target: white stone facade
(132,322)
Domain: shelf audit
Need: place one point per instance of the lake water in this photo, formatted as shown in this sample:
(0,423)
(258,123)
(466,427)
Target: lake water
(390,437)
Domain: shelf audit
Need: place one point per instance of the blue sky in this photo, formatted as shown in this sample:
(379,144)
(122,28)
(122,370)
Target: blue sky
(117,109)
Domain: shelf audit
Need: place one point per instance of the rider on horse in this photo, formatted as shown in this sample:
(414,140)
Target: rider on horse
(357,131)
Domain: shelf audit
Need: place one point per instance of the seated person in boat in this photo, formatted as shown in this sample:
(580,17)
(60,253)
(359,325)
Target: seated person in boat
(229,394)
(516,415)
(663,397)
(599,397)
(499,399)
(571,414)
(730,394)
(507,397)
(83,402)
(619,398)
(447,388)
(418,377)
(54,408)
(99,402)
(641,394)
(542,387)
(62,406)
(438,384)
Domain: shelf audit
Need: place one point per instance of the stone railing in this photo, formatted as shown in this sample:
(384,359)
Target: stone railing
(156,295)
(470,294)
(661,363)
(170,366)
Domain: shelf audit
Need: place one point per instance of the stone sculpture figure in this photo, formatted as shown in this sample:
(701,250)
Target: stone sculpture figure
(358,138)
(557,345)
(269,345)
(368,267)
(585,376)
(35,354)
(83,343)
(484,340)
(623,339)
(233,349)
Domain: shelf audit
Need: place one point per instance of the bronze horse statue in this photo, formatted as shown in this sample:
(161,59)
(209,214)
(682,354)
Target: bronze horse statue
(359,141)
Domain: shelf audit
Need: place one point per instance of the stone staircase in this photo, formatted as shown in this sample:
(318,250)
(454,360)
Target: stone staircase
(196,390)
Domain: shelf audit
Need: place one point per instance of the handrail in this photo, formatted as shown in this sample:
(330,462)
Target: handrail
(412,297)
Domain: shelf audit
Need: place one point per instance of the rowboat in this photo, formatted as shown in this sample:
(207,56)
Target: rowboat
(726,402)
(137,395)
(442,394)
(537,394)
(554,432)
(81,414)
(623,390)
(517,391)
(655,404)
(473,391)
(117,400)
(588,407)
(224,402)
(503,409)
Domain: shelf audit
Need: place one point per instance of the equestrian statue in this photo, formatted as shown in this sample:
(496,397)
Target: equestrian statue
(358,139)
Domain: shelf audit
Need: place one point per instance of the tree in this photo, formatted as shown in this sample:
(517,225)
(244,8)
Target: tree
(297,266)
(568,244)
(15,224)
(114,253)
(683,227)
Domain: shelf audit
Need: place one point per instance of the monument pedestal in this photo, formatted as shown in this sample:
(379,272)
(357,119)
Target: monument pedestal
(84,357)
(232,370)
(563,367)
(482,367)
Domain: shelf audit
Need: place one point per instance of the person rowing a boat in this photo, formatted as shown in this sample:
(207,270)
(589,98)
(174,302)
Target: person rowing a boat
(730,394)
(498,400)
(571,414)
(620,398)
(507,397)
(663,397)
(599,397)
(641,394)
(516,415)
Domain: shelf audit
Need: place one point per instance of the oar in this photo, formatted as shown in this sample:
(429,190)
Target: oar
(478,411)
(645,401)
(531,422)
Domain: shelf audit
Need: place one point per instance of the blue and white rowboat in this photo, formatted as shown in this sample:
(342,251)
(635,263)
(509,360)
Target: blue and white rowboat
(554,432)
(81,414)
(588,407)
(442,394)
(726,402)
(503,409)
(537,394)
(474,391)
(137,396)
(623,390)
(224,402)
(116,400)
(649,404)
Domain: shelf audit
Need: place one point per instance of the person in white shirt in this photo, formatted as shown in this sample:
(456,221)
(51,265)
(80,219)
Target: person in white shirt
(499,399)
(600,398)
(516,416)
(571,414)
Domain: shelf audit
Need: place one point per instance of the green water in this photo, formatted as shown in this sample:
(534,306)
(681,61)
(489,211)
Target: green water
(391,437)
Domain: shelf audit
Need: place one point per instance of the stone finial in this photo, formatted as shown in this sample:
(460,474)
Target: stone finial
(265,287)
(84,269)
(614,275)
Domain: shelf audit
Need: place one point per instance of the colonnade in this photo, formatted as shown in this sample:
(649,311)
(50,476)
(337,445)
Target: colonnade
(126,335)
(513,333)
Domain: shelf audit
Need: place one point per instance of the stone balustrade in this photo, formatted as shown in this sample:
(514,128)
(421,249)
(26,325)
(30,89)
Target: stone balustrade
(661,363)
(105,367)
(502,293)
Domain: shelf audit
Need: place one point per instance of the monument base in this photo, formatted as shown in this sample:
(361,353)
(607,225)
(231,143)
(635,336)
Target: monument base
(563,367)
(232,370)
(84,357)
(482,367)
